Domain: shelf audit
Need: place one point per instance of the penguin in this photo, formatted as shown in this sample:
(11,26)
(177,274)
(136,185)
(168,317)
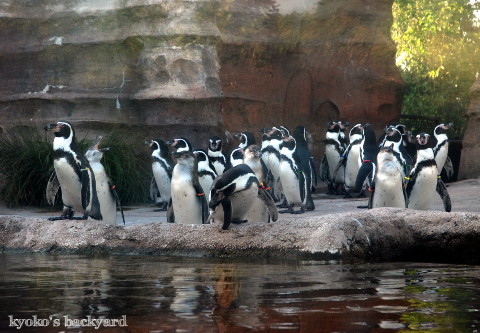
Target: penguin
(422,180)
(351,159)
(387,186)
(295,177)
(236,155)
(206,171)
(234,193)
(180,144)
(302,151)
(394,137)
(162,167)
(440,150)
(334,147)
(188,202)
(106,191)
(216,155)
(73,174)
(368,158)
(271,141)
(252,157)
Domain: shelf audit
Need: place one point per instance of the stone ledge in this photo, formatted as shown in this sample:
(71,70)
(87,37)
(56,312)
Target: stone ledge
(385,234)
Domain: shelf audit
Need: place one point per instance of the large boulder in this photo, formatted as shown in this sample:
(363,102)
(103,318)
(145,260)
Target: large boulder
(196,68)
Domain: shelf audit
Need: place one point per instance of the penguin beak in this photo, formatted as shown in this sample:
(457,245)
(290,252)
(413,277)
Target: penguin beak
(147,142)
(172,143)
(238,135)
(265,130)
(102,150)
(52,127)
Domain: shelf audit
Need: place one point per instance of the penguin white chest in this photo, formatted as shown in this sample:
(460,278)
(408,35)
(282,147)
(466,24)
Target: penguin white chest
(290,183)
(163,181)
(388,186)
(333,157)
(186,206)
(108,204)
(69,183)
(424,189)
(352,166)
(441,157)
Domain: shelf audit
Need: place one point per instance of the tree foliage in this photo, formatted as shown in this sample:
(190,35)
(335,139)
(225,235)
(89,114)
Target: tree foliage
(438,54)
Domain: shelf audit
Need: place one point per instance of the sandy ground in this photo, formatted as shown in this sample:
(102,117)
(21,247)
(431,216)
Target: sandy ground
(464,195)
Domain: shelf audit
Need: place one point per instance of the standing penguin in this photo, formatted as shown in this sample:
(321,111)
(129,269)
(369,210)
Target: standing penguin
(206,171)
(236,155)
(394,137)
(368,158)
(106,192)
(234,193)
(162,167)
(216,155)
(180,144)
(271,141)
(440,150)
(351,159)
(252,157)
(333,153)
(387,186)
(422,181)
(295,177)
(73,174)
(189,205)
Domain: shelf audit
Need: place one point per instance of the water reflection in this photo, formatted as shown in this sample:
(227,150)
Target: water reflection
(206,295)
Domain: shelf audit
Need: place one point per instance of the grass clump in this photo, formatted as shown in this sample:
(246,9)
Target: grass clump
(25,162)
(26,165)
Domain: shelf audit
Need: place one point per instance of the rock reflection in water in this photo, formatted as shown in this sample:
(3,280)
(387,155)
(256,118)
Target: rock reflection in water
(207,295)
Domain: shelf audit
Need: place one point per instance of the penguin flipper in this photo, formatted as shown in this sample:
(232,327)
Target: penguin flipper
(117,199)
(371,189)
(203,201)
(365,170)
(442,190)
(154,193)
(324,175)
(53,186)
(269,203)
(314,174)
(448,167)
(341,163)
(170,213)
(85,185)
(227,213)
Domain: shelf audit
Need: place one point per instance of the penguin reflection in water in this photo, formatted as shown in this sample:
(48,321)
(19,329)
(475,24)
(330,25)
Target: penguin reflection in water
(73,174)
(188,202)
(234,193)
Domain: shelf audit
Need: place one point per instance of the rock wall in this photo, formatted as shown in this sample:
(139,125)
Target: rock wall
(469,166)
(199,67)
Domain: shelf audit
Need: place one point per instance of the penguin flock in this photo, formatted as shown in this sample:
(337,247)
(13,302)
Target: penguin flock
(198,186)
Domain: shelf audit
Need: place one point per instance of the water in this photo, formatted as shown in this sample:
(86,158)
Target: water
(165,294)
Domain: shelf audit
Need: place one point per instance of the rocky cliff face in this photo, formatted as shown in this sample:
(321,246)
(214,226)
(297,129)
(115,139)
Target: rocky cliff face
(469,167)
(197,68)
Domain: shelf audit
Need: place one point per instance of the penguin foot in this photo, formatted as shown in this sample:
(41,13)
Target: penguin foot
(284,204)
(239,221)
(80,218)
(67,214)
(301,211)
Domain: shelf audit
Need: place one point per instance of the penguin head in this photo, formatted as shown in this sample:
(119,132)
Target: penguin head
(386,153)
(368,134)
(215,143)
(158,147)
(252,152)
(333,126)
(289,143)
(343,125)
(62,129)
(355,130)
(284,130)
(184,157)
(94,152)
(423,141)
(442,128)
(393,134)
(402,128)
(246,139)
(180,144)
(201,155)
